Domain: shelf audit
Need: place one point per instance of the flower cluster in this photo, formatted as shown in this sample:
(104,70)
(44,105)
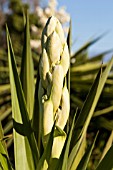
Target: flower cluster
(53,91)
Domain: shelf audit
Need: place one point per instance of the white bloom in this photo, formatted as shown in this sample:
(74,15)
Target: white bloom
(62,15)
(48,12)
(35,43)
(52,4)
(34,28)
(39,11)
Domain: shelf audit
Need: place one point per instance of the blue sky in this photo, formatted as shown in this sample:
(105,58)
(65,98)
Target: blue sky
(91,18)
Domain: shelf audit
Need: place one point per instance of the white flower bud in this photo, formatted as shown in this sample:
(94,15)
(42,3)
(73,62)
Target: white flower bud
(54,47)
(58,144)
(41,110)
(57,85)
(44,68)
(60,32)
(43,42)
(65,59)
(48,119)
(63,114)
(50,26)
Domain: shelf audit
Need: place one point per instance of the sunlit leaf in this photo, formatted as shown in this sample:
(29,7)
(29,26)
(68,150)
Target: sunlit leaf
(4,161)
(107,146)
(106,162)
(61,164)
(26,151)
(103,111)
(45,159)
(102,122)
(27,71)
(88,44)
(85,160)
(88,110)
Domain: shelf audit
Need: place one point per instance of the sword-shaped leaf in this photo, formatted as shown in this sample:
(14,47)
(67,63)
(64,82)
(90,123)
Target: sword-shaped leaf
(43,163)
(85,159)
(26,151)
(107,162)
(87,45)
(4,161)
(27,71)
(88,110)
(67,146)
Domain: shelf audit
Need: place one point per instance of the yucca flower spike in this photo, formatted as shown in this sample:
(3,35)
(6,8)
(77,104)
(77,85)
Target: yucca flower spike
(53,67)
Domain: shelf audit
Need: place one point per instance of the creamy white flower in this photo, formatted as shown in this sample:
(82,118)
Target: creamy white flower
(53,67)
(39,11)
(52,4)
(35,43)
(63,15)
(34,28)
(48,12)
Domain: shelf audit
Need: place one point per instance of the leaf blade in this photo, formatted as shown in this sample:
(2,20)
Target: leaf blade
(20,117)
(88,109)
(27,70)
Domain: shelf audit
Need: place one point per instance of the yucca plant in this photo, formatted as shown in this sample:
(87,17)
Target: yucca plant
(45,136)
(83,73)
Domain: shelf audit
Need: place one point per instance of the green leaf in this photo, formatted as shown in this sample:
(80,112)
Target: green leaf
(103,111)
(27,71)
(59,132)
(67,80)
(6,113)
(4,161)
(8,127)
(67,146)
(5,88)
(88,110)
(45,159)
(81,58)
(36,119)
(87,67)
(81,121)
(102,122)
(26,151)
(95,59)
(80,153)
(84,161)
(106,162)
(61,163)
(88,44)
(107,146)
(2,144)
(76,101)
(99,57)
(69,37)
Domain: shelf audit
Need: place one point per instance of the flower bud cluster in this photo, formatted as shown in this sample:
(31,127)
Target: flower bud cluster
(53,67)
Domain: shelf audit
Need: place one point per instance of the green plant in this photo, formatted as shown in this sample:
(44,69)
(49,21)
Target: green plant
(83,71)
(32,147)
